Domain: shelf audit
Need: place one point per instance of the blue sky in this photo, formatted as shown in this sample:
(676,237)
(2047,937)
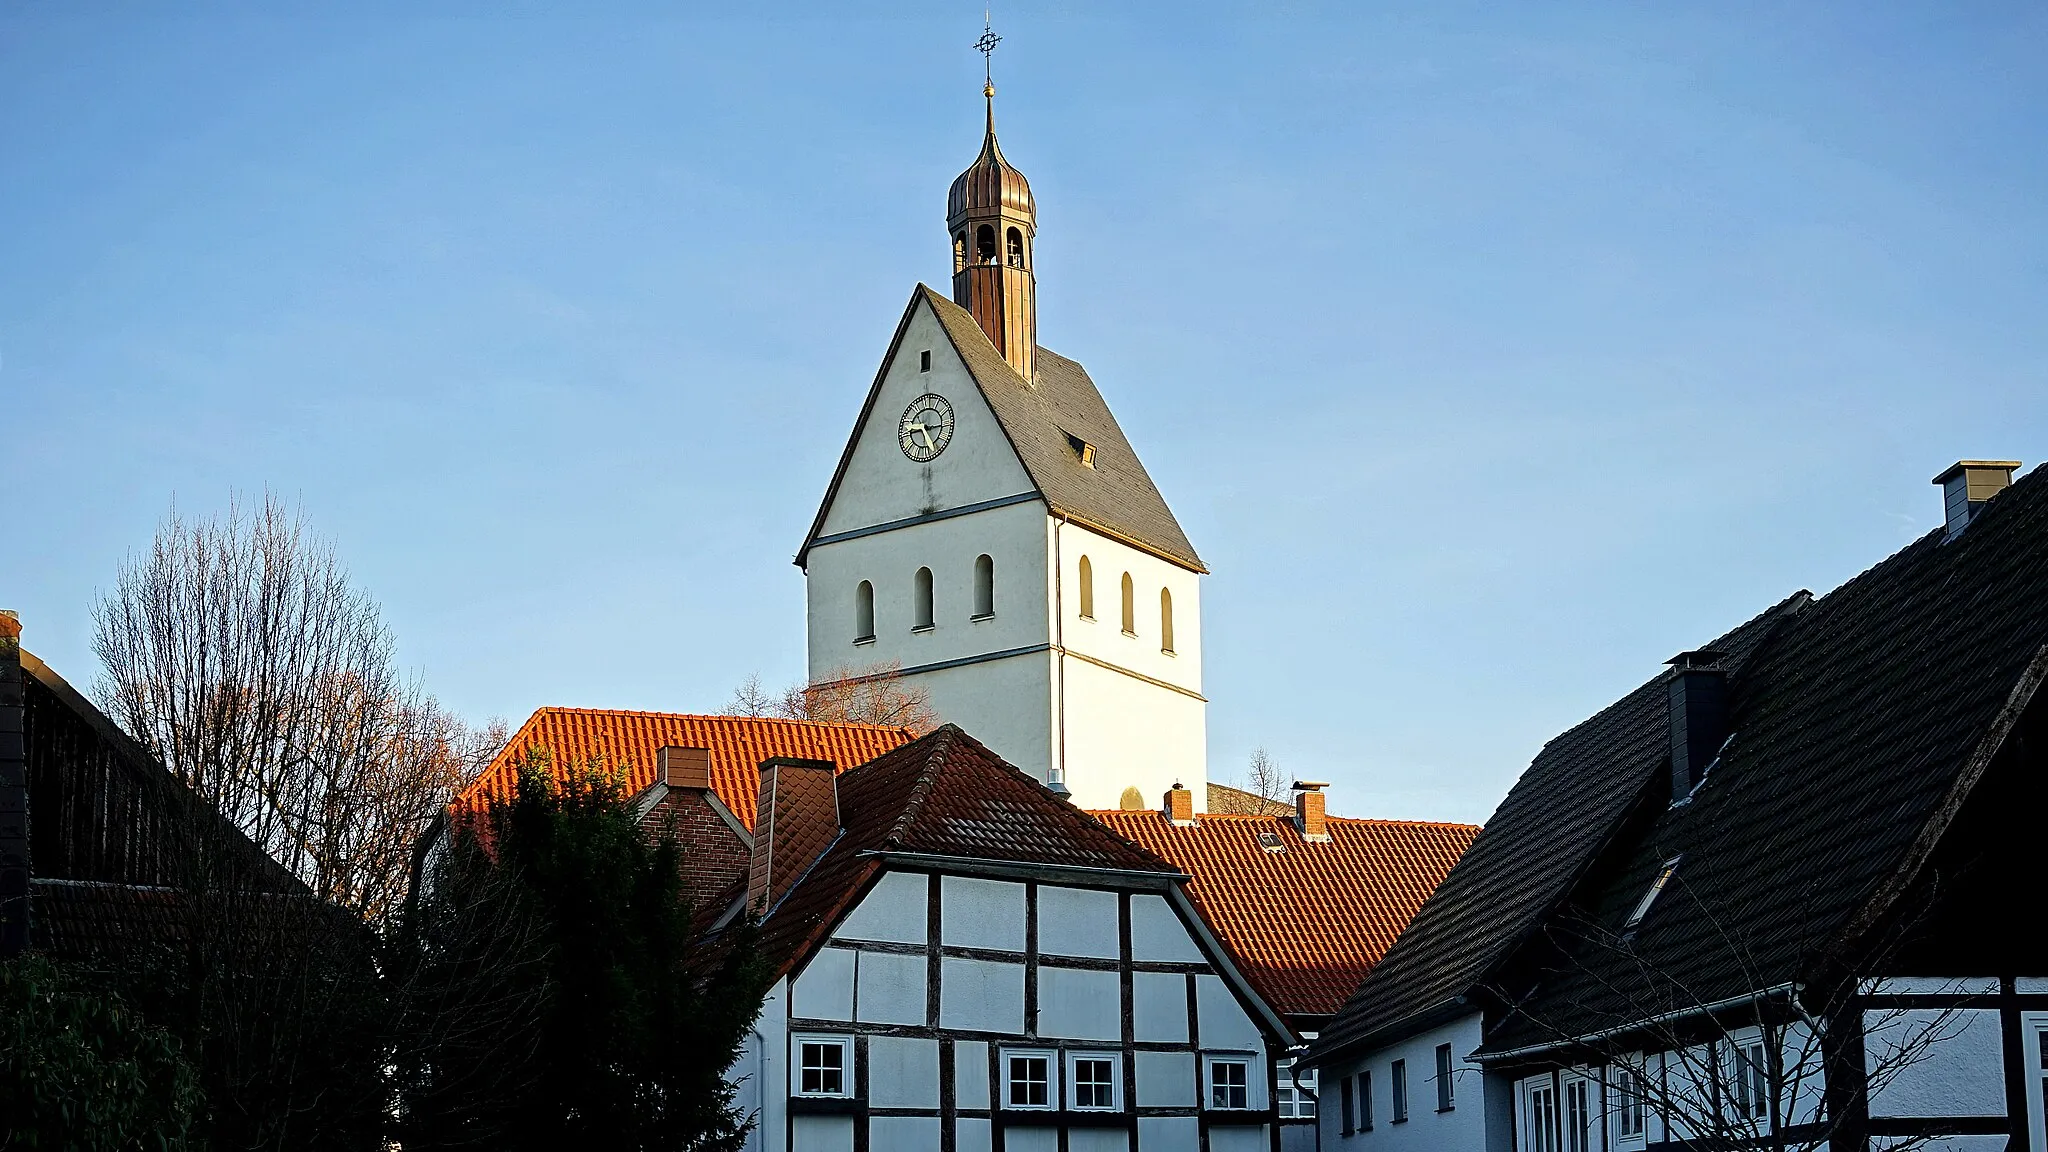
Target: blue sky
(1490,355)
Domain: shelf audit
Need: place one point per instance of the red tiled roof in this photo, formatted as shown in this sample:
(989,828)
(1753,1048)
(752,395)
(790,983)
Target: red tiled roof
(944,795)
(1307,923)
(627,741)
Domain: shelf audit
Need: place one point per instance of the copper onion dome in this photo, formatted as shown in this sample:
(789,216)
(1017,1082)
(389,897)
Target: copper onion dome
(990,183)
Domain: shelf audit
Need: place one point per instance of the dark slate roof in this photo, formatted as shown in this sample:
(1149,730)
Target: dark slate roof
(1528,854)
(943,795)
(1116,497)
(1860,728)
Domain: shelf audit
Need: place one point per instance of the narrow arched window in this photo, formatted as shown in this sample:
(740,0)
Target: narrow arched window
(1165,621)
(1087,589)
(984,587)
(863,613)
(985,243)
(959,251)
(921,600)
(1130,608)
(1016,240)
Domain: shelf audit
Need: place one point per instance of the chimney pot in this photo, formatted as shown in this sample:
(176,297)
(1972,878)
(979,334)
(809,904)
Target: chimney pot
(1308,810)
(684,767)
(1968,485)
(1697,705)
(1180,806)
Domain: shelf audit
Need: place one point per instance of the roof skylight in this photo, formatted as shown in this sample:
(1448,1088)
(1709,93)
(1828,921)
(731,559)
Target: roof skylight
(1642,908)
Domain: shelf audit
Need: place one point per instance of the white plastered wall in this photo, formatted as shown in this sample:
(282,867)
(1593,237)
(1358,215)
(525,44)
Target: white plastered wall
(1463,1129)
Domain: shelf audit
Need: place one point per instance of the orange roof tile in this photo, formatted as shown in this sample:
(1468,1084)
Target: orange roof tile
(1309,922)
(627,741)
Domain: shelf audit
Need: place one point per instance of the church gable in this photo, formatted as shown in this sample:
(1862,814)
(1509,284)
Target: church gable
(969,459)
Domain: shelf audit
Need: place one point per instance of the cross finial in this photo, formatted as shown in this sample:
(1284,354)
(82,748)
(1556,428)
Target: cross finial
(987,47)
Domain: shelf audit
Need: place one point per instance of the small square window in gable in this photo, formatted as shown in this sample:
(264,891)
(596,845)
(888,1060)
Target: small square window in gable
(924,360)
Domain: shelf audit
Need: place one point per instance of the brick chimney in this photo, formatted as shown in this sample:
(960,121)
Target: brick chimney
(1180,806)
(684,767)
(1308,810)
(14,863)
(1968,485)
(796,819)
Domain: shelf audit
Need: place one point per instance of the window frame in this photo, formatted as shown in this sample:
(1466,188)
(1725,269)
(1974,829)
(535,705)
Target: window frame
(984,588)
(924,600)
(1116,1077)
(1365,1100)
(1628,1102)
(1084,575)
(844,1044)
(1538,1128)
(2034,1057)
(1578,1100)
(1665,872)
(1209,1066)
(1051,1059)
(1748,1097)
(1446,1086)
(864,612)
(1302,1091)
(924,360)
(1130,607)
(1347,1109)
(1397,1086)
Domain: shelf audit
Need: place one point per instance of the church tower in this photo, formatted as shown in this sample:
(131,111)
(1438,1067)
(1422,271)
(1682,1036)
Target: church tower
(993,219)
(991,538)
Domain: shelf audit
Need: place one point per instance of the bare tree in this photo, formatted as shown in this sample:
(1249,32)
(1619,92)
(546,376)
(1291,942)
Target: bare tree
(872,694)
(238,652)
(1260,790)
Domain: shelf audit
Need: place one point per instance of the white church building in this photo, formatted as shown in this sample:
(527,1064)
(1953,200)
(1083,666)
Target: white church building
(991,536)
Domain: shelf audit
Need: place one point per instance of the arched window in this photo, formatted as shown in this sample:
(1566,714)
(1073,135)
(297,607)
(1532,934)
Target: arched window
(959,251)
(984,587)
(921,600)
(1130,608)
(1165,621)
(985,244)
(1087,589)
(1016,240)
(863,613)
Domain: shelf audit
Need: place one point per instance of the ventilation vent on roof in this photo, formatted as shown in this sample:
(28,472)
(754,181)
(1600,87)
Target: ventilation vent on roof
(1642,908)
(1270,841)
(1967,486)
(1083,450)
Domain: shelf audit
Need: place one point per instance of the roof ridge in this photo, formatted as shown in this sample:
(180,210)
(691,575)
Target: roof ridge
(716,716)
(922,790)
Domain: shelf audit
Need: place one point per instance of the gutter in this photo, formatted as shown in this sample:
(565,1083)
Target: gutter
(1789,988)
(1446,1009)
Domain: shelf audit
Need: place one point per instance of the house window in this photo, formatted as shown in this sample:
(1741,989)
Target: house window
(1539,1114)
(1087,582)
(924,360)
(1365,1101)
(1130,608)
(821,1065)
(1446,1099)
(1092,1078)
(1229,1083)
(863,613)
(1397,1077)
(1166,621)
(1578,1115)
(921,600)
(1295,1095)
(984,587)
(2034,1027)
(1749,1086)
(1344,1105)
(1626,1088)
(1642,907)
(1027,1080)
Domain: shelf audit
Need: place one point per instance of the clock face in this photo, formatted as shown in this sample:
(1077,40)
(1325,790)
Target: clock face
(927,427)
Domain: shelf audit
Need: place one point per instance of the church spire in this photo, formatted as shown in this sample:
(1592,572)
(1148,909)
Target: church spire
(993,220)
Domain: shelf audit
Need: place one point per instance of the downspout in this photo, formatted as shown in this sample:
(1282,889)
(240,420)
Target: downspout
(1058,783)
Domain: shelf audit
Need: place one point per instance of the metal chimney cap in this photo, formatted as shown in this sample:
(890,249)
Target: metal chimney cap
(1310,785)
(1697,659)
(1961,466)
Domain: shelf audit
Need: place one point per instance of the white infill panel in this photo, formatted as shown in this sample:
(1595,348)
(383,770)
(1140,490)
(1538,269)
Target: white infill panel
(1238,1139)
(821,1134)
(891,988)
(894,911)
(1935,1062)
(1033,1140)
(825,989)
(1168,1133)
(970,1074)
(971,1134)
(1098,1140)
(904,1133)
(903,1072)
(1166,1079)
(1079,1005)
(1159,1007)
(1077,922)
(1222,1020)
(978,913)
(1157,934)
(981,996)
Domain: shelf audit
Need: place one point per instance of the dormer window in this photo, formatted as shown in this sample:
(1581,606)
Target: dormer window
(1083,450)
(1270,841)
(1642,908)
